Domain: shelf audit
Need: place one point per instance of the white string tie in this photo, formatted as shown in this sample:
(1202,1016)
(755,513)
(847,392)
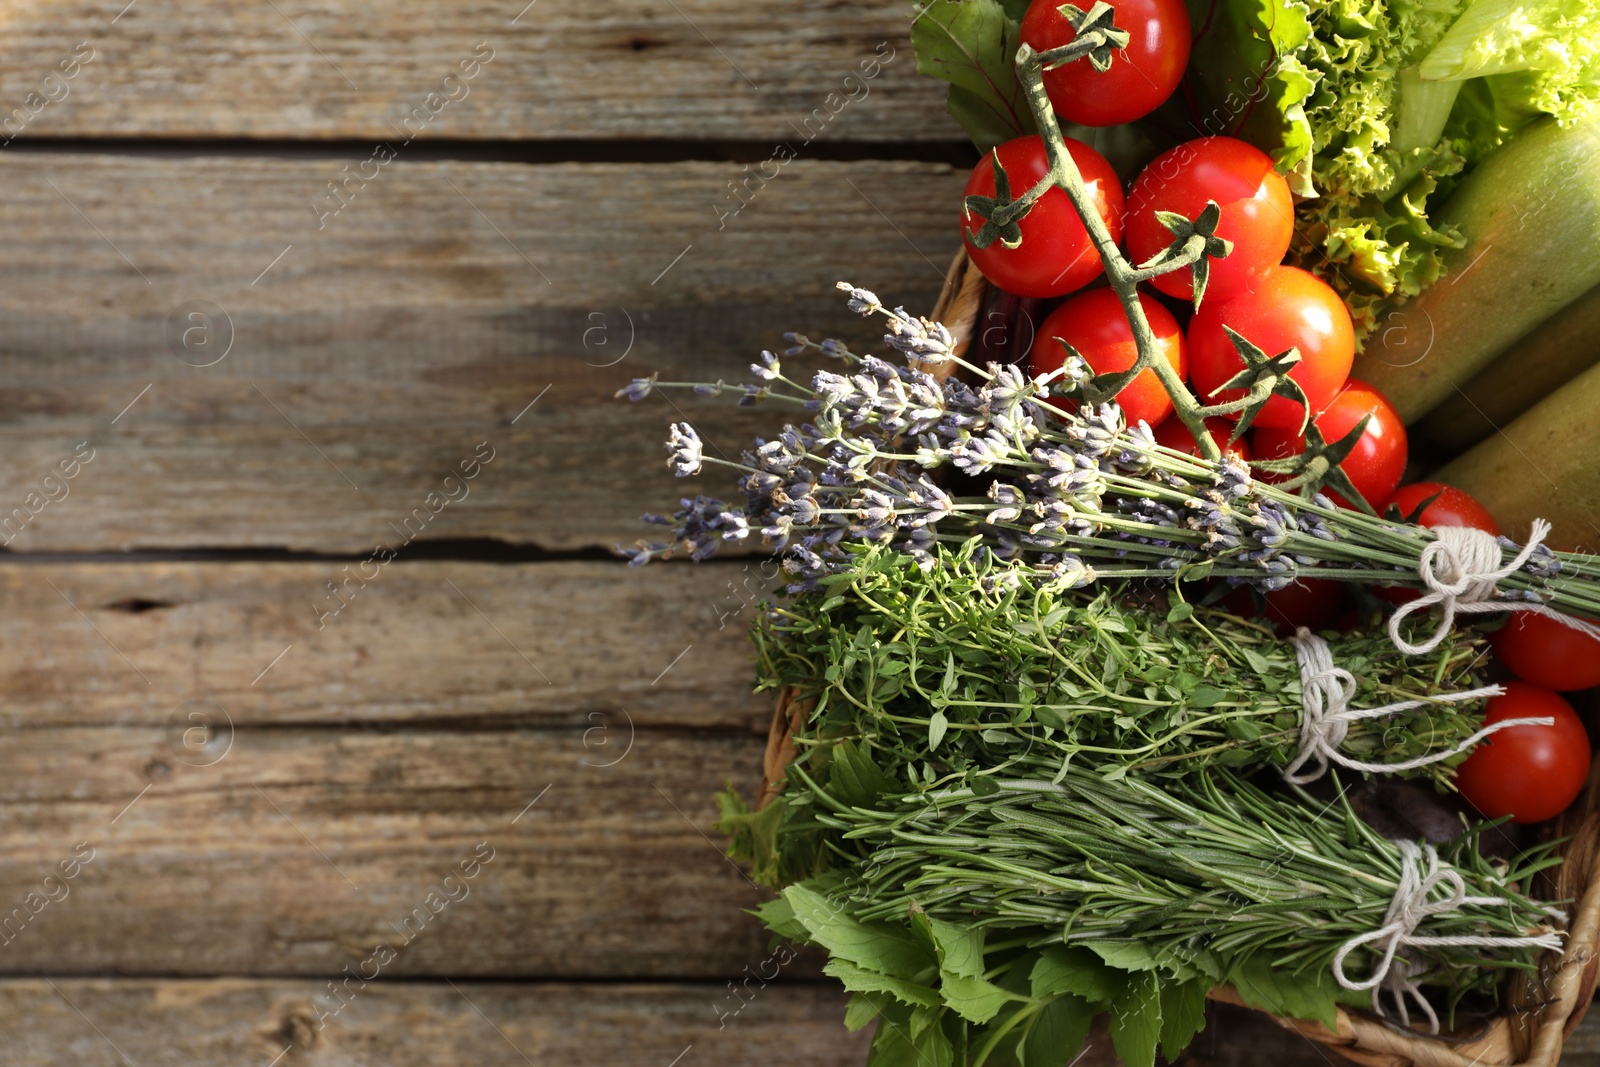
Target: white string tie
(1461,568)
(1326,715)
(1420,876)
(1404,981)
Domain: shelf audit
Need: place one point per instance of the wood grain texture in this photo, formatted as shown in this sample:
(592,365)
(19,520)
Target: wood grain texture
(373,356)
(233,1022)
(697,69)
(226,1022)
(588,645)
(299,851)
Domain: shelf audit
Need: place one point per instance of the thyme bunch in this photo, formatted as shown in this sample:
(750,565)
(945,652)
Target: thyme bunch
(993,668)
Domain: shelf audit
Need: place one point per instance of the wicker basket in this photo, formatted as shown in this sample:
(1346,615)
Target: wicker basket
(1544,1008)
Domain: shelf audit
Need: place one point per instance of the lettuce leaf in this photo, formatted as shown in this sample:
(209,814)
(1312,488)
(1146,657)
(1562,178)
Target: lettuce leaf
(1375,109)
(1555,44)
(1317,85)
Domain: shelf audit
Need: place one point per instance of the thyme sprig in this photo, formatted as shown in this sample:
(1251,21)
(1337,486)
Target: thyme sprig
(979,666)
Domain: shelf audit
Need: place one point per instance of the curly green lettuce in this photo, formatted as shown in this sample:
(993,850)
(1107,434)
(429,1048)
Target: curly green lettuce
(1374,109)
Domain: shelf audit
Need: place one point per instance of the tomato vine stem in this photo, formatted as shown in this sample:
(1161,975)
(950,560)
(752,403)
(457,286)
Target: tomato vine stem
(1123,276)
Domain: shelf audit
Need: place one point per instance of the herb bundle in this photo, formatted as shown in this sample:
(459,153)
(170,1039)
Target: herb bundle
(1069,486)
(992,668)
(968,918)
(1028,751)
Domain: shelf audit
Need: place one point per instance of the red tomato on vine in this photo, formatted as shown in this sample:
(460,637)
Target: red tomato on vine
(1378,460)
(1285,308)
(1308,602)
(1450,507)
(1175,435)
(1141,76)
(1095,324)
(1056,255)
(1257,212)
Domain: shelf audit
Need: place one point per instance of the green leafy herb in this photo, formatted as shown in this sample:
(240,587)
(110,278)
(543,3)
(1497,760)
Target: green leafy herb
(1055,1034)
(876,947)
(1310,995)
(1183,1014)
(979,667)
(1136,1021)
(970,44)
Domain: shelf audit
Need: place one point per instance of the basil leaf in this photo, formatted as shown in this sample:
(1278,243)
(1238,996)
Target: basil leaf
(1056,1033)
(858,980)
(1063,969)
(1309,995)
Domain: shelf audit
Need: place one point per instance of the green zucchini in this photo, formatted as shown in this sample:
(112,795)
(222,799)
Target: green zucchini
(1543,465)
(1531,215)
(1556,351)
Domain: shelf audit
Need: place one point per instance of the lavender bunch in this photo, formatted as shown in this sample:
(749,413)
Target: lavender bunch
(1069,487)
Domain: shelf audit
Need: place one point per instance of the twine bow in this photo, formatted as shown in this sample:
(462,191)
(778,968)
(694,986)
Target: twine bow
(1325,693)
(1461,568)
(1421,875)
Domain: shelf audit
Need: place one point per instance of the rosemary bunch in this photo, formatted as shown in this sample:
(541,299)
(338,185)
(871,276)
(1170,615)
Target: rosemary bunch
(987,923)
(1212,864)
(991,667)
(1068,486)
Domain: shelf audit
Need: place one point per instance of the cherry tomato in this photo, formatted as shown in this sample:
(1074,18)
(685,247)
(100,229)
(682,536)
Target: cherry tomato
(1286,308)
(1451,507)
(1175,435)
(1095,324)
(1141,76)
(1379,458)
(1541,650)
(1056,255)
(1308,602)
(1530,773)
(1257,212)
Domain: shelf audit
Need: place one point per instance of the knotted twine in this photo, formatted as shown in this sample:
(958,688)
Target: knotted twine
(1420,875)
(1461,568)
(1325,692)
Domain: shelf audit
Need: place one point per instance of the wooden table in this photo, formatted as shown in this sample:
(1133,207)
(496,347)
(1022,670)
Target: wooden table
(283,684)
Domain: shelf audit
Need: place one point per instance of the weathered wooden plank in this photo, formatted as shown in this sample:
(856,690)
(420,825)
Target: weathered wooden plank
(698,69)
(300,851)
(229,1022)
(591,645)
(371,358)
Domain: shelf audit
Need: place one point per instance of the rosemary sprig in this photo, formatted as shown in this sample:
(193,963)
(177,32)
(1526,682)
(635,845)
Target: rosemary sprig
(982,666)
(1204,865)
